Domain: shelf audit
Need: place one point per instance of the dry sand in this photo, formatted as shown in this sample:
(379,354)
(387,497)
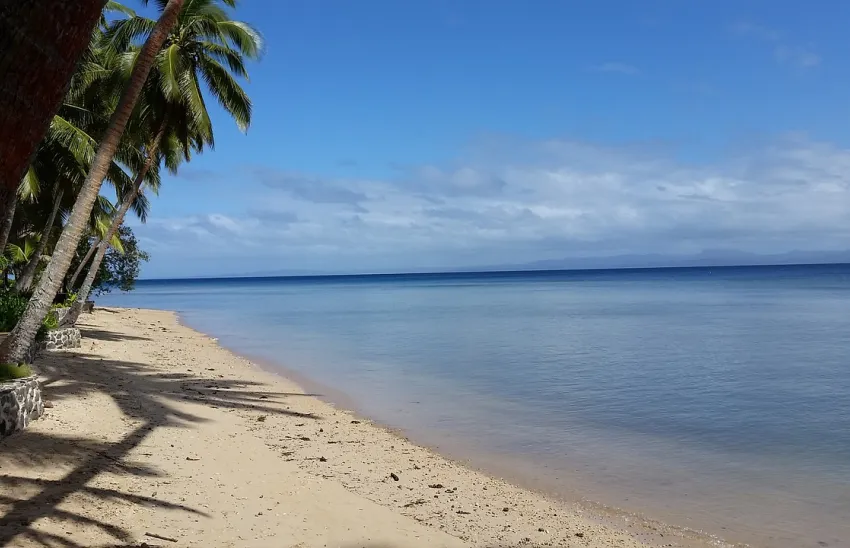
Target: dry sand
(160,437)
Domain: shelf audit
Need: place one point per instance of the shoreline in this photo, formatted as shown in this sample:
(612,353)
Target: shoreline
(159,385)
(502,468)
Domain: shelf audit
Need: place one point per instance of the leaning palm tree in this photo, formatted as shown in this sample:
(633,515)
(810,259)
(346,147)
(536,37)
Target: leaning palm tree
(64,157)
(14,349)
(205,46)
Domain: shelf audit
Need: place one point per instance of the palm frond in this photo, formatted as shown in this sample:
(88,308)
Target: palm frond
(243,36)
(197,107)
(170,70)
(227,91)
(30,186)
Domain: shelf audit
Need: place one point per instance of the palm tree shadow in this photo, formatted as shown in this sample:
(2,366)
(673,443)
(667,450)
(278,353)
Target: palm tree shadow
(148,399)
(101,335)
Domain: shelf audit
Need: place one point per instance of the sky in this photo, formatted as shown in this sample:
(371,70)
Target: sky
(401,135)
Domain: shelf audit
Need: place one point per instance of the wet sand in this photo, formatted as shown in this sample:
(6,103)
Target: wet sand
(160,437)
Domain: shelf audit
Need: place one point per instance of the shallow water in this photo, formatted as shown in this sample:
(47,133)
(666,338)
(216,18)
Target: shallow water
(717,399)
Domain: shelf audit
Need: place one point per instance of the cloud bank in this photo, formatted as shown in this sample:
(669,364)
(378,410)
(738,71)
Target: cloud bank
(508,202)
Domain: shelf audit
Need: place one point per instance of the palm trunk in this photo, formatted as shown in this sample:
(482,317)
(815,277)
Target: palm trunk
(83,293)
(8,204)
(28,274)
(83,264)
(17,344)
(41,42)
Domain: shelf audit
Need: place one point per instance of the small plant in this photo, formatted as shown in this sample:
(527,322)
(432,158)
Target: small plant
(12,306)
(51,321)
(12,371)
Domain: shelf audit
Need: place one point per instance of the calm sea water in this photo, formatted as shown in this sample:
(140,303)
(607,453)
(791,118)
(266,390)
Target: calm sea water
(712,398)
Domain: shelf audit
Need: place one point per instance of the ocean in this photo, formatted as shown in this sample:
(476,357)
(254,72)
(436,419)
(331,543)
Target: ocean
(716,399)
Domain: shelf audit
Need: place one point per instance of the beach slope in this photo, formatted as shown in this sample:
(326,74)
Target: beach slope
(157,436)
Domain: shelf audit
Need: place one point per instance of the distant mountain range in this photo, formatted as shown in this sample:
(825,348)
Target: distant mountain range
(658,260)
(705,258)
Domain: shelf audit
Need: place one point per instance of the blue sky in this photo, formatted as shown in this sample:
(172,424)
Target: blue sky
(397,135)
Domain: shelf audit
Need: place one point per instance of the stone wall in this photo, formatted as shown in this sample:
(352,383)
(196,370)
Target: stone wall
(58,339)
(20,403)
(61,313)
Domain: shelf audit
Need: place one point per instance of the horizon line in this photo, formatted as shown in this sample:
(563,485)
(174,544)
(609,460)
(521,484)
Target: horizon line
(474,272)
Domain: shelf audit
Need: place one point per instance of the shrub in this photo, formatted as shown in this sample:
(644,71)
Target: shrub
(12,307)
(12,371)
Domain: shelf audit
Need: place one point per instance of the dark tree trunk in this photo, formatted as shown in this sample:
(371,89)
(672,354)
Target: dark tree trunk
(14,349)
(41,42)
(8,205)
(28,273)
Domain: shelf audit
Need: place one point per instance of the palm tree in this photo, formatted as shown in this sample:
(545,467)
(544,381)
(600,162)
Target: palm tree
(203,38)
(16,345)
(65,155)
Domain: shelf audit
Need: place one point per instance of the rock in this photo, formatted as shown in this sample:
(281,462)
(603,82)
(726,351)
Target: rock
(394,476)
(505,509)
(261,418)
(436,486)
(541,530)
(355,422)
(323,459)
(580,535)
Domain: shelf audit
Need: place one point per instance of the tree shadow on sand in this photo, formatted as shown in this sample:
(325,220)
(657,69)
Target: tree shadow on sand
(147,397)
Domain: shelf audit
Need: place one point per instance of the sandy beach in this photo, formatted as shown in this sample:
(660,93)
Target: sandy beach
(157,436)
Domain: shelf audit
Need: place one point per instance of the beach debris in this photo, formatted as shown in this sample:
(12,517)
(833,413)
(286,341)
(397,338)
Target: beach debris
(192,459)
(436,486)
(463,512)
(416,502)
(580,535)
(541,530)
(48,404)
(394,476)
(160,537)
(261,418)
(355,422)
(304,438)
(505,509)
(323,459)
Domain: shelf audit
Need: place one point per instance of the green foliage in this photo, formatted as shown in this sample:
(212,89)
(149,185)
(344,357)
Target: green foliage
(12,306)
(51,321)
(119,269)
(12,371)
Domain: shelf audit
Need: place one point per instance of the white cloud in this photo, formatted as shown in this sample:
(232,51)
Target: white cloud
(797,56)
(522,202)
(794,55)
(745,28)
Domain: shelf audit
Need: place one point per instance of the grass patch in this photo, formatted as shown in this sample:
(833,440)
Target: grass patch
(12,371)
